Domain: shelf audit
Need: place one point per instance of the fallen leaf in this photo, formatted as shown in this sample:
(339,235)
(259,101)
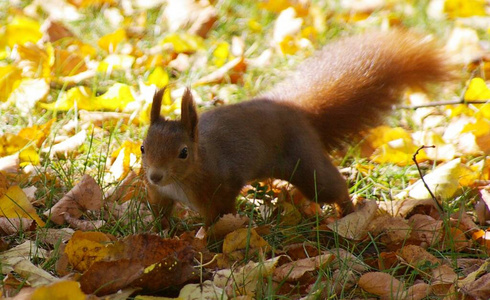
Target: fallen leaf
(86,195)
(243,238)
(59,290)
(416,255)
(293,271)
(381,284)
(14,204)
(355,225)
(68,146)
(227,224)
(10,226)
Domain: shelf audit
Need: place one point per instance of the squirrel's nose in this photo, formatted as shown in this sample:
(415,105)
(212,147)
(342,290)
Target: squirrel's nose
(155,177)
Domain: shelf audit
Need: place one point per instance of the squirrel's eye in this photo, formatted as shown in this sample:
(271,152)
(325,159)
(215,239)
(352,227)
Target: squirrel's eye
(142,148)
(183,153)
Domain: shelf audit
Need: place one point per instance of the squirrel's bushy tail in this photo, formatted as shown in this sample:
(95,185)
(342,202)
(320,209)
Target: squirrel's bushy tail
(351,83)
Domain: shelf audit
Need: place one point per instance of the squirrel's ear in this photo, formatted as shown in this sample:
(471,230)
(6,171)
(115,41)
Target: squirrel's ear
(189,113)
(156,105)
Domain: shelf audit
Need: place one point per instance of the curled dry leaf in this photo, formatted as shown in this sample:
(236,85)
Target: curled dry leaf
(293,271)
(67,146)
(85,225)
(355,226)
(10,226)
(403,208)
(478,289)
(86,195)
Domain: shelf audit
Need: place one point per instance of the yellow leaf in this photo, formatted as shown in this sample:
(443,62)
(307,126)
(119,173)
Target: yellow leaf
(22,30)
(158,77)
(14,204)
(85,248)
(399,151)
(184,42)
(37,133)
(381,135)
(110,41)
(443,181)
(464,8)
(81,95)
(479,128)
(37,60)
(221,54)
(11,143)
(275,6)
(68,63)
(94,3)
(241,239)
(124,158)
(59,291)
(477,90)
(28,156)
(9,76)
(116,98)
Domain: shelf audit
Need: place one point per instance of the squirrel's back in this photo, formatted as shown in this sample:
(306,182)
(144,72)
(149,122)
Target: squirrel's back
(351,83)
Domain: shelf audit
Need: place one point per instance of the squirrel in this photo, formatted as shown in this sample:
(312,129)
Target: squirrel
(346,87)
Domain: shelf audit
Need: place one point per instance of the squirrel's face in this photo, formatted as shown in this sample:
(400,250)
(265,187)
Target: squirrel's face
(168,153)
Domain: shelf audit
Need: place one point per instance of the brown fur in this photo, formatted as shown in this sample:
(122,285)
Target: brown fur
(346,87)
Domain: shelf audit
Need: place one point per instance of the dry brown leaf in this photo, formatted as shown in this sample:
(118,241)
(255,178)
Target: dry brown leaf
(343,258)
(403,208)
(55,30)
(300,251)
(85,225)
(392,231)
(478,289)
(381,284)
(104,118)
(86,195)
(418,291)
(18,259)
(416,255)
(355,226)
(293,271)
(227,224)
(426,229)
(243,281)
(10,226)
(482,207)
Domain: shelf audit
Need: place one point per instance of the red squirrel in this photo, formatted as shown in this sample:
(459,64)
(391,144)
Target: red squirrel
(204,161)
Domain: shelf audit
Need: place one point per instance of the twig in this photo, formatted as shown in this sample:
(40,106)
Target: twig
(414,158)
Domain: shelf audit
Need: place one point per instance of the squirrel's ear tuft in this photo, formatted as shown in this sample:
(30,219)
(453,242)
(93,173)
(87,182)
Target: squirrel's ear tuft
(156,105)
(189,113)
